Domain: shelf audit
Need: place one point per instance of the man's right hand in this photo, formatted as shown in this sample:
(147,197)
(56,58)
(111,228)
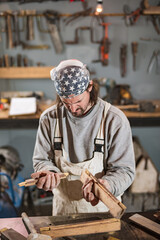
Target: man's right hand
(46,180)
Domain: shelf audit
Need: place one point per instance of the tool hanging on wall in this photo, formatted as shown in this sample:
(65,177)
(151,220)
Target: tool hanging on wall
(131,17)
(16,28)
(52,18)
(104,46)
(30,24)
(79,29)
(154,12)
(134,46)
(155,59)
(9,35)
(123,60)
(77,15)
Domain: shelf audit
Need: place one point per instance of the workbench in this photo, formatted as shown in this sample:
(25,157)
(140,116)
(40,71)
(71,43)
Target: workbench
(136,119)
(128,230)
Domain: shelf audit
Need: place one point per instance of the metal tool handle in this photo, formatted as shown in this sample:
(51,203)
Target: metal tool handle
(28,224)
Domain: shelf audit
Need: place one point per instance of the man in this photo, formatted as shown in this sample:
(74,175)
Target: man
(81,131)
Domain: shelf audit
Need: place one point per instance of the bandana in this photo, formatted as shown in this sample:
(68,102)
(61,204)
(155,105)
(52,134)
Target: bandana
(71,78)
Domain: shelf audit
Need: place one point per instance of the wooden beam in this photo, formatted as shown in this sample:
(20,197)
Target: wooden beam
(115,206)
(97,226)
(146,223)
(11,234)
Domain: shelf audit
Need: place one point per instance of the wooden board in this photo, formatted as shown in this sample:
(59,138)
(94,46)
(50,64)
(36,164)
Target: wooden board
(115,206)
(98,226)
(146,223)
(11,234)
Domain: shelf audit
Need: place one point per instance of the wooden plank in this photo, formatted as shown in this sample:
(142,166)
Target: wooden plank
(146,223)
(11,234)
(32,181)
(25,72)
(115,206)
(98,226)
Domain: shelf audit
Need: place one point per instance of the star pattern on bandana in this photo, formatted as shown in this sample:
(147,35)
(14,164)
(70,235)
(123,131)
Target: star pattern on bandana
(71,80)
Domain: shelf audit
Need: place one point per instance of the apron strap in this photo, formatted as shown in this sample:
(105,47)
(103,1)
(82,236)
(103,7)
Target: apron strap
(99,140)
(101,131)
(57,135)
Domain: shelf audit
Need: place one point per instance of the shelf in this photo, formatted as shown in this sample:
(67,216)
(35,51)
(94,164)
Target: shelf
(136,119)
(25,72)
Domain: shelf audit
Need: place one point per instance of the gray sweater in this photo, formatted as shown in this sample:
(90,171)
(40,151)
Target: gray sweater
(78,139)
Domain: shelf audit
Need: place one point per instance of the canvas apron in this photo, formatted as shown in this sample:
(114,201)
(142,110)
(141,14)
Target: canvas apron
(68,198)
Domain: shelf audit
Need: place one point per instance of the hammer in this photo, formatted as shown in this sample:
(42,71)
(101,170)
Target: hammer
(31,229)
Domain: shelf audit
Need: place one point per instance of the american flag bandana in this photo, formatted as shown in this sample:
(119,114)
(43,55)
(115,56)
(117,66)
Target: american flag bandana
(71,80)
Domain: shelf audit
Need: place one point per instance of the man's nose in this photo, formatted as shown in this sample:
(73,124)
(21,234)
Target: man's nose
(73,107)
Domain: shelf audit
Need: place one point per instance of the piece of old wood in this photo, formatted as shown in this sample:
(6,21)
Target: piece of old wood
(98,226)
(31,182)
(11,234)
(157,215)
(115,206)
(146,223)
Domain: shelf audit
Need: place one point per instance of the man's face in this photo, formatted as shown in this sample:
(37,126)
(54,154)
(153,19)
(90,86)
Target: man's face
(78,105)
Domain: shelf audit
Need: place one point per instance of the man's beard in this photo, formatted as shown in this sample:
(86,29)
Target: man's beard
(79,112)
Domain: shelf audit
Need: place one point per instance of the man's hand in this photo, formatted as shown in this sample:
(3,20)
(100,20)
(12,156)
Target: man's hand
(88,193)
(46,180)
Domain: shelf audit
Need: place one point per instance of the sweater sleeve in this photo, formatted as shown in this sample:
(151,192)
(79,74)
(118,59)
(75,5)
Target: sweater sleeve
(43,156)
(120,162)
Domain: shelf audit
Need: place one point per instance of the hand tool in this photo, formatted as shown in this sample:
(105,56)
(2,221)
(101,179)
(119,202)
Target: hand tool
(52,18)
(150,39)
(25,62)
(19,60)
(123,60)
(116,208)
(1,62)
(30,24)
(9,28)
(131,17)
(29,46)
(31,182)
(134,46)
(16,28)
(77,15)
(76,38)
(155,20)
(12,61)
(31,229)
(155,58)
(6,60)
(105,45)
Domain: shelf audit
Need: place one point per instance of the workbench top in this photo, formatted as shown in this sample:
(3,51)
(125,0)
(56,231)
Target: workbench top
(137,119)
(128,229)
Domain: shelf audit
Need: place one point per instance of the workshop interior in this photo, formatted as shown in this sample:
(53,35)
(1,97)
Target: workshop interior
(119,41)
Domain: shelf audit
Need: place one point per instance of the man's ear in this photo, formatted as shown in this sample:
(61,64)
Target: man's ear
(90,86)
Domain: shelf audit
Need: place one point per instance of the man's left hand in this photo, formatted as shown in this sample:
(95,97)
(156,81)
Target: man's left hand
(88,193)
